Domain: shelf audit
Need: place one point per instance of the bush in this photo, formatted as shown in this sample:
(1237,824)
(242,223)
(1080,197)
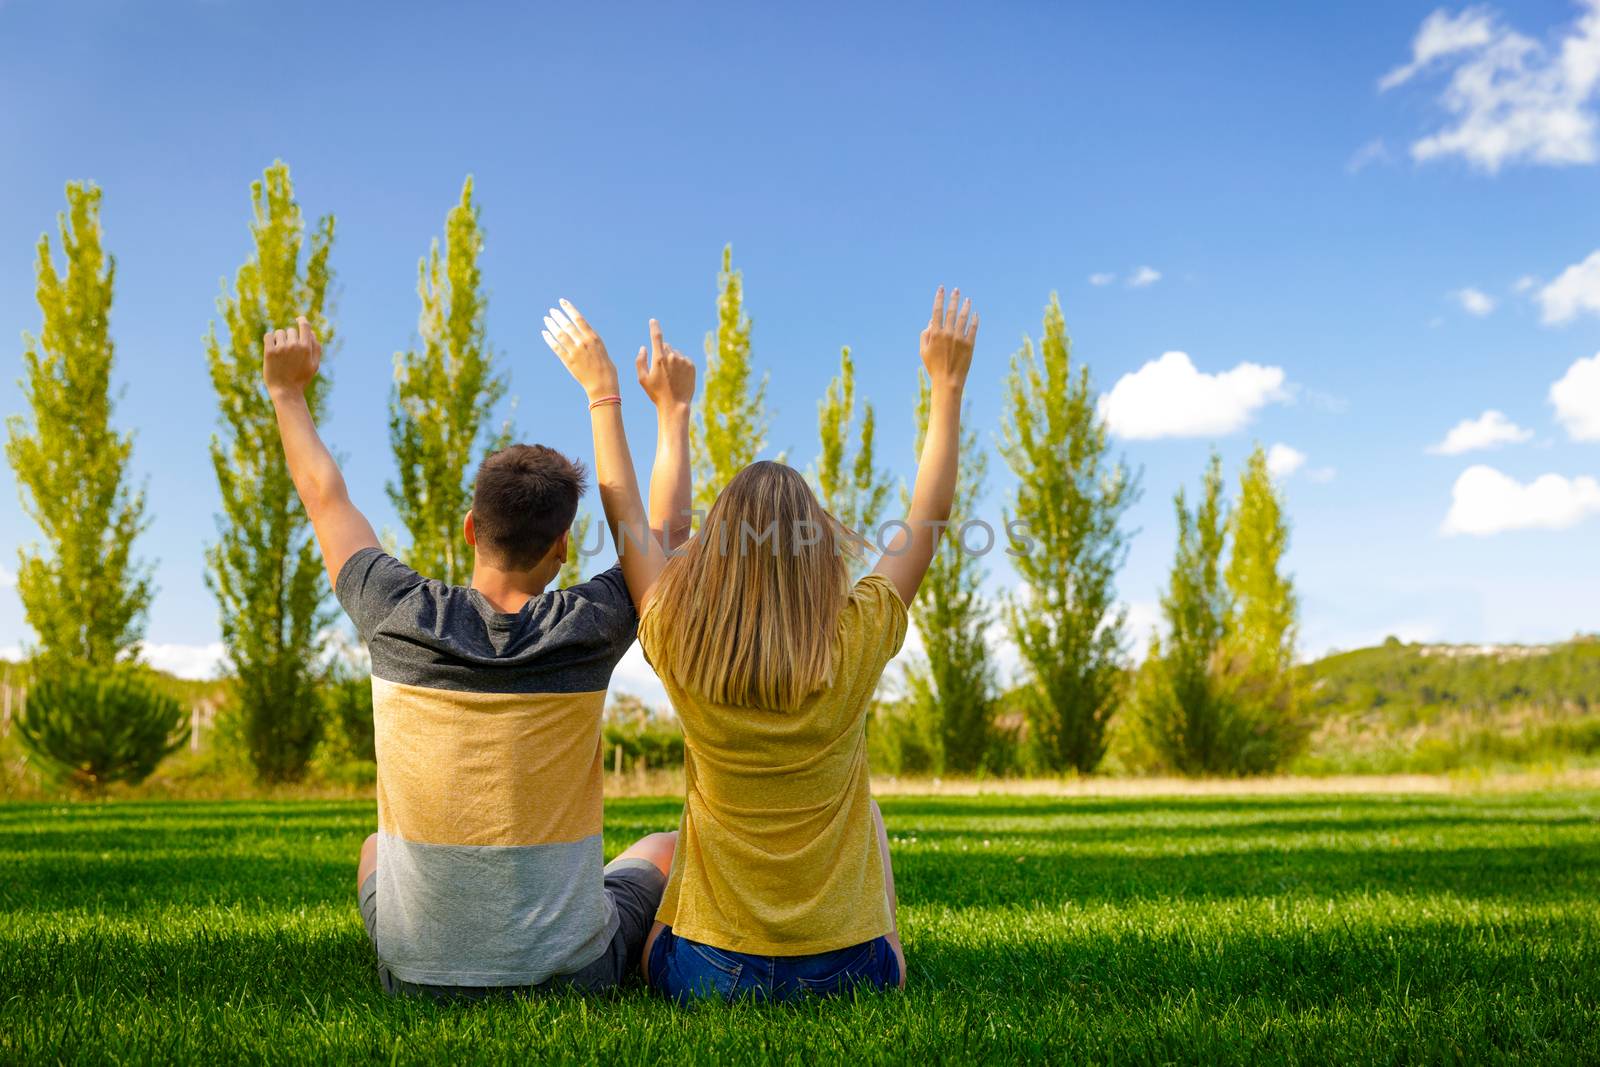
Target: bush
(1229,719)
(347,700)
(642,732)
(99,728)
(903,738)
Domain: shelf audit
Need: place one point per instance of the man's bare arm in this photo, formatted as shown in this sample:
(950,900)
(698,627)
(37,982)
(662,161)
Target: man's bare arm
(668,377)
(290,360)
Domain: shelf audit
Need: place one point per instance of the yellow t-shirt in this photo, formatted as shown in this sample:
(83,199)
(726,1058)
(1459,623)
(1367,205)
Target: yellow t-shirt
(777,854)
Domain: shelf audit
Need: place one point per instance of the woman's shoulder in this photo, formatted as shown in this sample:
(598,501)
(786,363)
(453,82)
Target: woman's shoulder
(874,616)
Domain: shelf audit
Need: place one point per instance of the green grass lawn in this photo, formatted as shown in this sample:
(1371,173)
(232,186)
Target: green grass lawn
(1201,929)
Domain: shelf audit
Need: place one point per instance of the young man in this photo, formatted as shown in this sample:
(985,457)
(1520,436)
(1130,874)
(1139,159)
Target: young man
(486,870)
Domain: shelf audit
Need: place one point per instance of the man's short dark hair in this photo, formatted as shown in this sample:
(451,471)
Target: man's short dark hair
(525,497)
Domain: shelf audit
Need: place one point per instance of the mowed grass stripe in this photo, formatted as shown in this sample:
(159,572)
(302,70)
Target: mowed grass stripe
(1149,929)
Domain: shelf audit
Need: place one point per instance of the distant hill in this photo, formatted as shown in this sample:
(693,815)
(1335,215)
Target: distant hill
(1418,682)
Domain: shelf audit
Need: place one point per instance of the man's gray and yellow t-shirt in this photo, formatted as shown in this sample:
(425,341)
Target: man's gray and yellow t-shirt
(487,728)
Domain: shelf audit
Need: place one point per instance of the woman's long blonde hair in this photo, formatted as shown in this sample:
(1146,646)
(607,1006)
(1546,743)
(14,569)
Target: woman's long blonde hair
(745,613)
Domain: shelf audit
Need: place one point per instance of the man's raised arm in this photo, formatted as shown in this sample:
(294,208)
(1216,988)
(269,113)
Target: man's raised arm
(290,359)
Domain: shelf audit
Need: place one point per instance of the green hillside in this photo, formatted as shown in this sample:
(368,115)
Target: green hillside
(1403,707)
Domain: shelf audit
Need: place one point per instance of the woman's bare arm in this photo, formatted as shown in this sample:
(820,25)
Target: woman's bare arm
(947,355)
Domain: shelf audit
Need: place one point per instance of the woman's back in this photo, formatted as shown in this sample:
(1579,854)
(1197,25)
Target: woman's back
(778,854)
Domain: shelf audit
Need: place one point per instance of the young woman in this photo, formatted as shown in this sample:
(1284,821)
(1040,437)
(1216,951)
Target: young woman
(781,885)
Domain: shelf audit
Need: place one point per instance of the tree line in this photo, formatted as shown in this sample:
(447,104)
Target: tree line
(1216,694)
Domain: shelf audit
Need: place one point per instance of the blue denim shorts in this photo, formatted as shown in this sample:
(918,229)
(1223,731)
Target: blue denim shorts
(684,970)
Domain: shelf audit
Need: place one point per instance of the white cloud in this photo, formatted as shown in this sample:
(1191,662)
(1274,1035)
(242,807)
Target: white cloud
(1489,430)
(1576,290)
(1511,99)
(1168,397)
(186,661)
(1374,151)
(1144,276)
(1576,397)
(1485,501)
(7,577)
(1441,35)
(1474,301)
(11,653)
(1102,278)
(1322,475)
(1524,283)
(1282,460)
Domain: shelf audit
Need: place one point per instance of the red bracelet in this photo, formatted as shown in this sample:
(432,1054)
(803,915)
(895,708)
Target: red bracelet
(605,400)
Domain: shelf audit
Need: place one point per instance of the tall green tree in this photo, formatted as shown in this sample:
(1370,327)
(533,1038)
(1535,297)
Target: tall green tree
(1070,500)
(82,592)
(443,394)
(954,684)
(1178,702)
(730,425)
(851,486)
(1218,695)
(1262,624)
(264,568)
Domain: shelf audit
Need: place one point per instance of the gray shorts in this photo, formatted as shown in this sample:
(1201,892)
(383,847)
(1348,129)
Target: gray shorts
(634,886)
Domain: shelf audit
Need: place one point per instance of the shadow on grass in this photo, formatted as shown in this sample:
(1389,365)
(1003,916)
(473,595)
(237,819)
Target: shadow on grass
(1297,969)
(996,876)
(986,808)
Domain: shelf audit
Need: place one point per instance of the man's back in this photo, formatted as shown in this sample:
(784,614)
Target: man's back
(487,729)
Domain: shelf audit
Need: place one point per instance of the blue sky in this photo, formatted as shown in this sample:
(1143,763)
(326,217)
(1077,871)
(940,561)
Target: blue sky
(1386,209)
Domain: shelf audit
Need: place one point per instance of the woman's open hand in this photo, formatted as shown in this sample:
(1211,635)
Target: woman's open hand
(947,342)
(572,339)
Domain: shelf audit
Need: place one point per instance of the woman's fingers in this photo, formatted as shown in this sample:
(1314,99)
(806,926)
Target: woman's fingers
(938,308)
(961,316)
(557,346)
(950,309)
(641,363)
(972,328)
(564,324)
(578,321)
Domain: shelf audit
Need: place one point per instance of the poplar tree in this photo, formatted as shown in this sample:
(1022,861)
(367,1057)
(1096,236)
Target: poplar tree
(953,685)
(442,396)
(1070,500)
(1217,696)
(264,569)
(851,486)
(1258,674)
(1178,702)
(1262,624)
(730,426)
(84,595)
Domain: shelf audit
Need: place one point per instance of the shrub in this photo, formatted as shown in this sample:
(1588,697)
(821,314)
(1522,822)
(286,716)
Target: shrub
(1231,718)
(99,728)
(903,738)
(642,732)
(347,700)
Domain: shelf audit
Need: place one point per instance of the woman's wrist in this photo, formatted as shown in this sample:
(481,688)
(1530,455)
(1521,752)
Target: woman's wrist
(601,390)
